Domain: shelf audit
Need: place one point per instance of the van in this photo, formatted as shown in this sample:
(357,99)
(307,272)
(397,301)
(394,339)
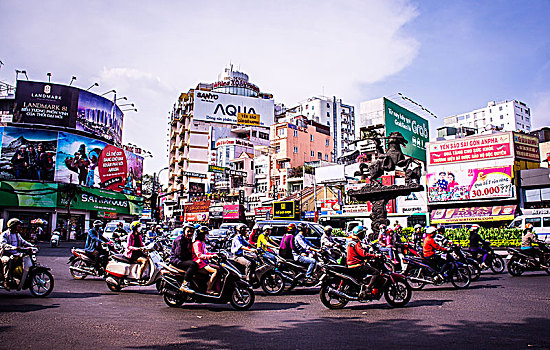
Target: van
(539,218)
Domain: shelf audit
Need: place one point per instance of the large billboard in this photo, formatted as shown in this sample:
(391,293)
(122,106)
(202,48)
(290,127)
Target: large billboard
(100,200)
(526,147)
(413,127)
(28,194)
(470,149)
(232,109)
(67,106)
(471,184)
(473,214)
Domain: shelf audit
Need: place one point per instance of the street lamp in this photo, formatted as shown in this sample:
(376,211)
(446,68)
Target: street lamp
(127,104)
(17,71)
(94,84)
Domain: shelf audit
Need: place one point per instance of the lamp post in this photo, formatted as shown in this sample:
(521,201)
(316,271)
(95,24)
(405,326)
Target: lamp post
(49,77)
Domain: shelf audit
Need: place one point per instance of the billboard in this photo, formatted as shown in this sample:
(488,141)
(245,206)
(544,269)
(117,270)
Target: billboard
(28,194)
(471,184)
(526,147)
(458,215)
(232,211)
(93,163)
(27,154)
(101,200)
(67,106)
(470,149)
(284,210)
(232,109)
(413,127)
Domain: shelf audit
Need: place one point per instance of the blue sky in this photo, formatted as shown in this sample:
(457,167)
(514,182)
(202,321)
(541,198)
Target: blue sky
(450,56)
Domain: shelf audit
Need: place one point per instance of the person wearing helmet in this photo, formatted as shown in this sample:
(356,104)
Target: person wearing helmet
(10,244)
(135,249)
(303,249)
(430,248)
(476,242)
(201,256)
(254,234)
(156,231)
(181,256)
(359,261)
(530,237)
(119,232)
(264,240)
(327,241)
(416,236)
(287,242)
(239,246)
(385,240)
(94,240)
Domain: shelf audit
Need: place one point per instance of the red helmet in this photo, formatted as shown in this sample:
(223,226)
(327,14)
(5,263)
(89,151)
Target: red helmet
(291,227)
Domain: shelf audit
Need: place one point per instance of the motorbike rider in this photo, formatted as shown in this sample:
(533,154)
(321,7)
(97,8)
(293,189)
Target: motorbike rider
(303,249)
(11,243)
(530,237)
(201,256)
(266,243)
(94,240)
(360,261)
(119,232)
(239,246)
(182,256)
(254,234)
(416,236)
(475,241)
(430,248)
(155,232)
(385,239)
(287,242)
(135,249)
(327,241)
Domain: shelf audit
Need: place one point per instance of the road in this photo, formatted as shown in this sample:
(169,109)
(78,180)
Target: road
(496,312)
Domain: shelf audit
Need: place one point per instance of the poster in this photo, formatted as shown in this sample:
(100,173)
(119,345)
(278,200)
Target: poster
(470,149)
(28,194)
(99,116)
(470,184)
(28,154)
(526,147)
(458,215)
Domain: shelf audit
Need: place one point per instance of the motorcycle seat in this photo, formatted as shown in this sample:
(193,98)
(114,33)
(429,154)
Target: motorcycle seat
(122,258)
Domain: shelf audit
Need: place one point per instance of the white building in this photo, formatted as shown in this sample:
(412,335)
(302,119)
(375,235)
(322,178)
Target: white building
(502,116)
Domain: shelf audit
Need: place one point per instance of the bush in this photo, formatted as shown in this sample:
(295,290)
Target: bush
(499,237)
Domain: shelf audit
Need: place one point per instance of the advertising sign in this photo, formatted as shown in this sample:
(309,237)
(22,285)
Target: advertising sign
(28,194)
(197,207)
(366,208)
(470,149)
(194,217)
(225,108)
(412,204)
(248,119)
(262,211)
(471,184)
(413,127)
(99,116)
(284,210)
(526,147)
(232,211)
(101,200)
(28,154)
(79,157)
(496,213)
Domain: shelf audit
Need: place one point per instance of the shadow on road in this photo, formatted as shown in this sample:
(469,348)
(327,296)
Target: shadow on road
(412,304)
(25,308)
(258,306)
(359,333)
(75,295)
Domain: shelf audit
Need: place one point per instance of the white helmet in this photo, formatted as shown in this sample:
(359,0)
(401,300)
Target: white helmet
(431,230)
(417,226)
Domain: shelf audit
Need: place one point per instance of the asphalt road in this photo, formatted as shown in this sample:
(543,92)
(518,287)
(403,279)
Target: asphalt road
(496,312)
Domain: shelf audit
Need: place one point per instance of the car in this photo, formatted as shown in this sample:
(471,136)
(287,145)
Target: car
(229,226)
(279,229)
(217,237)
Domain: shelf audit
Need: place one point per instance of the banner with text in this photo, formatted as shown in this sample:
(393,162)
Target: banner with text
(470,149)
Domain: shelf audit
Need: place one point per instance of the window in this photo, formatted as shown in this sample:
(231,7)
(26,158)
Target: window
(307,106)
(295,149)
(254,133)
(545,222)
(328,114)
(326,142)
(535,221)
(501,116)
(500,108)
(277,149)
(281,132)
(326,157)
(320,155)
(328,105)
(263,135)
(311,138)
(295,133)
(312,107)
(312,154)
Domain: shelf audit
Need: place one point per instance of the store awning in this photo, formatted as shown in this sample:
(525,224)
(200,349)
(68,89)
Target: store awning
(474,214)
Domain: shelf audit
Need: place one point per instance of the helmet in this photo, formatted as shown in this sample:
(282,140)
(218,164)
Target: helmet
(120,223)
(267,227)
(134,225)
(328,229)
(13,222)
(196,226)
(98,223)
(241,227)
(158,226)
(528,226)
(188,225)
(291,226)
(474,227)
(359,231)
(389,229)
(302,227)
(431,230)
(204,229)
(417,226)
(256,227)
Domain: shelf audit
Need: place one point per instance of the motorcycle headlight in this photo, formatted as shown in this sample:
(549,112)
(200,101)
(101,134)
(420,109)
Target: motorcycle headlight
(33,258)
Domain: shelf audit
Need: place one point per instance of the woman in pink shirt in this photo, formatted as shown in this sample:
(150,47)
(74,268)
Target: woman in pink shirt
(201,256)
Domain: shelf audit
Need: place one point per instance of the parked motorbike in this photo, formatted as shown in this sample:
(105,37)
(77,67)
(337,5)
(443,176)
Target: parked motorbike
(28,274)
(519,261)
(230,285)
(494,261)
(83,263)
(54,240)
(340,285)
(122,272)
(419,272)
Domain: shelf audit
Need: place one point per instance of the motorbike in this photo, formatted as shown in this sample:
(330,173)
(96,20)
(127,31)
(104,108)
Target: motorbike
(121,272)
(54,240)
(265,276)
(294,273)
(519,261)
(83,263)
(230,286)
(340,285)
(461,256)
(494,261)
(419,272)
(28,274)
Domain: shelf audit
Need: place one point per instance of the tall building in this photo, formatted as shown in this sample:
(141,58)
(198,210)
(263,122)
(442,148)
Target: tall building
(332,112)
(502,116)
(229,116)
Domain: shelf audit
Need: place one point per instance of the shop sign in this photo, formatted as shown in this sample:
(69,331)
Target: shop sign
(197,207)
(474,214)
(192,174)
(107,215)
(194,217)
(215,169)
(470,149)
(101,200)
(526,147)
(284,210)
(248,119)
(232,211)
(471,184)
(262,211)
(366,208)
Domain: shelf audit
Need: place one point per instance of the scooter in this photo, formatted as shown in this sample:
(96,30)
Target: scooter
(83,263)
(519,261)
(54,240)
(265,276)
(28,274)
(230,286)
(121,272)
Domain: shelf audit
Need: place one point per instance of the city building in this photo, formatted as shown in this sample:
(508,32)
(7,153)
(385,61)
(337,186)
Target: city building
(502,116)
(543,135)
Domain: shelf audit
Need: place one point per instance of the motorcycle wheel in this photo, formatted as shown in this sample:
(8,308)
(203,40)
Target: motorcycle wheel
(330,301)
(398,294)
(416,272)
(273,283)
(242,297)
(114,287)
(514,268)
(462,277)
(497,265)
(172,300)
(475,270)
(78,263)
(42,283)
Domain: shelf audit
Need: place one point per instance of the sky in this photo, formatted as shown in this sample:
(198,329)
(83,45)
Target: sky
(452,56)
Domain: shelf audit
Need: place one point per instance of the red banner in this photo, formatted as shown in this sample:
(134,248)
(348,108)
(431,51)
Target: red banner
(470,149)
(113,168)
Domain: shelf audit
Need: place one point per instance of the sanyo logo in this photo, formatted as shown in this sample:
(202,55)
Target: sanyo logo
(207,96)
(232,110)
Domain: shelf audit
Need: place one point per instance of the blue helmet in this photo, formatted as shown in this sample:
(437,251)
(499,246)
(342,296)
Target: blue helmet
(358,230)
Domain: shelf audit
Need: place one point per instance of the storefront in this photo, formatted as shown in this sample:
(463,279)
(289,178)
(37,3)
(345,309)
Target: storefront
(492,216)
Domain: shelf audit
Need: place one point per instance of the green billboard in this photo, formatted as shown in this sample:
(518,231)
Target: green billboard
(87,198)
(28,194)
(413,127)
